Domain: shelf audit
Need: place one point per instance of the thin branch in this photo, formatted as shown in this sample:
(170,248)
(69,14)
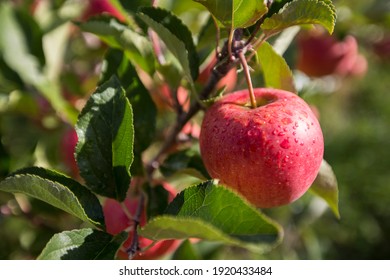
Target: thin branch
(258,24)
(223,66)
(134,247)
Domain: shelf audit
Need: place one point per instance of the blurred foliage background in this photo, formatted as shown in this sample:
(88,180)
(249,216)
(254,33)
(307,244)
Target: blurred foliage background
(354,113)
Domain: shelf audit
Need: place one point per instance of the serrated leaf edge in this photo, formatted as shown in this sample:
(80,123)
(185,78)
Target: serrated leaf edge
(66,209)
(325,3)
(187,66)
(221,236)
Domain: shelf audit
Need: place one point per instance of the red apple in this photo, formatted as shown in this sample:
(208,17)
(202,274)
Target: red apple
(382,48)
(270,154)
(68,145)
(117,220)
(96,7)
(320,54)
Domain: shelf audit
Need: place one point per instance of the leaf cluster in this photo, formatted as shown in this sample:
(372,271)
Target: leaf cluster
(118,126)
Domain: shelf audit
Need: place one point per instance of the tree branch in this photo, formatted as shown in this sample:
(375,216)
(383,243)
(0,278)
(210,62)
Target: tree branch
(223,66)
(134,247)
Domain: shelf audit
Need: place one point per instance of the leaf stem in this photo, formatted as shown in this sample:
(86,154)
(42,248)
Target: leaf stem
(247,73)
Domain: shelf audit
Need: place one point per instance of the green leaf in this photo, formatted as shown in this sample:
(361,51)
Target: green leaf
(176,36)
(119,36)
(326,187)
(186,251)
(186,161)
(9,79)
(82,244)
(214,213)
(234,14)
(18,50)
(19,56)
(134,5)
(105,131)
(33,33)
(300,12)
(57,190)
(277,73)
(14,47)
(144,109)
(157,201)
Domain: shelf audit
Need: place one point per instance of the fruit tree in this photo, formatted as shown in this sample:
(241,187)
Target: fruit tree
(174,125)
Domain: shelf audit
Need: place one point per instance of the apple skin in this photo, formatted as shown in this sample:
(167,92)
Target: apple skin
(117,221)
(96,7)
(68,145)
(270,154)
(320,54)
(382,48)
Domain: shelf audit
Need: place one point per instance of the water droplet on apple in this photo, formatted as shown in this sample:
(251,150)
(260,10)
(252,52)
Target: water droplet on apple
(274,132)
(281,133)
(251,133)
(296,140)
(285,144)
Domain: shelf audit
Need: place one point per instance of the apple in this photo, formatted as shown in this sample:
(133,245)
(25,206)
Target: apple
(118,220)
(320,54)
(68,145)
(270,154)
(96,7)
(382,48)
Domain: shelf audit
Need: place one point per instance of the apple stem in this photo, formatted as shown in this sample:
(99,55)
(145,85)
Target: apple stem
(245,66)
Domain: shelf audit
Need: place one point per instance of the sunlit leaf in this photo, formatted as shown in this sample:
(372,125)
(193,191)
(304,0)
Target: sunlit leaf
(120,36)
(105,131)
(326,187)
(276,72)
(235,13)
(82,244)
(58,190)
(176,36)
(25,60)
(214,213)
(300,12)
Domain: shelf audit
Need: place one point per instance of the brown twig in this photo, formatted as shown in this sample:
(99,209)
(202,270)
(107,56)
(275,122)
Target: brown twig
(134,247)
(223,66)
